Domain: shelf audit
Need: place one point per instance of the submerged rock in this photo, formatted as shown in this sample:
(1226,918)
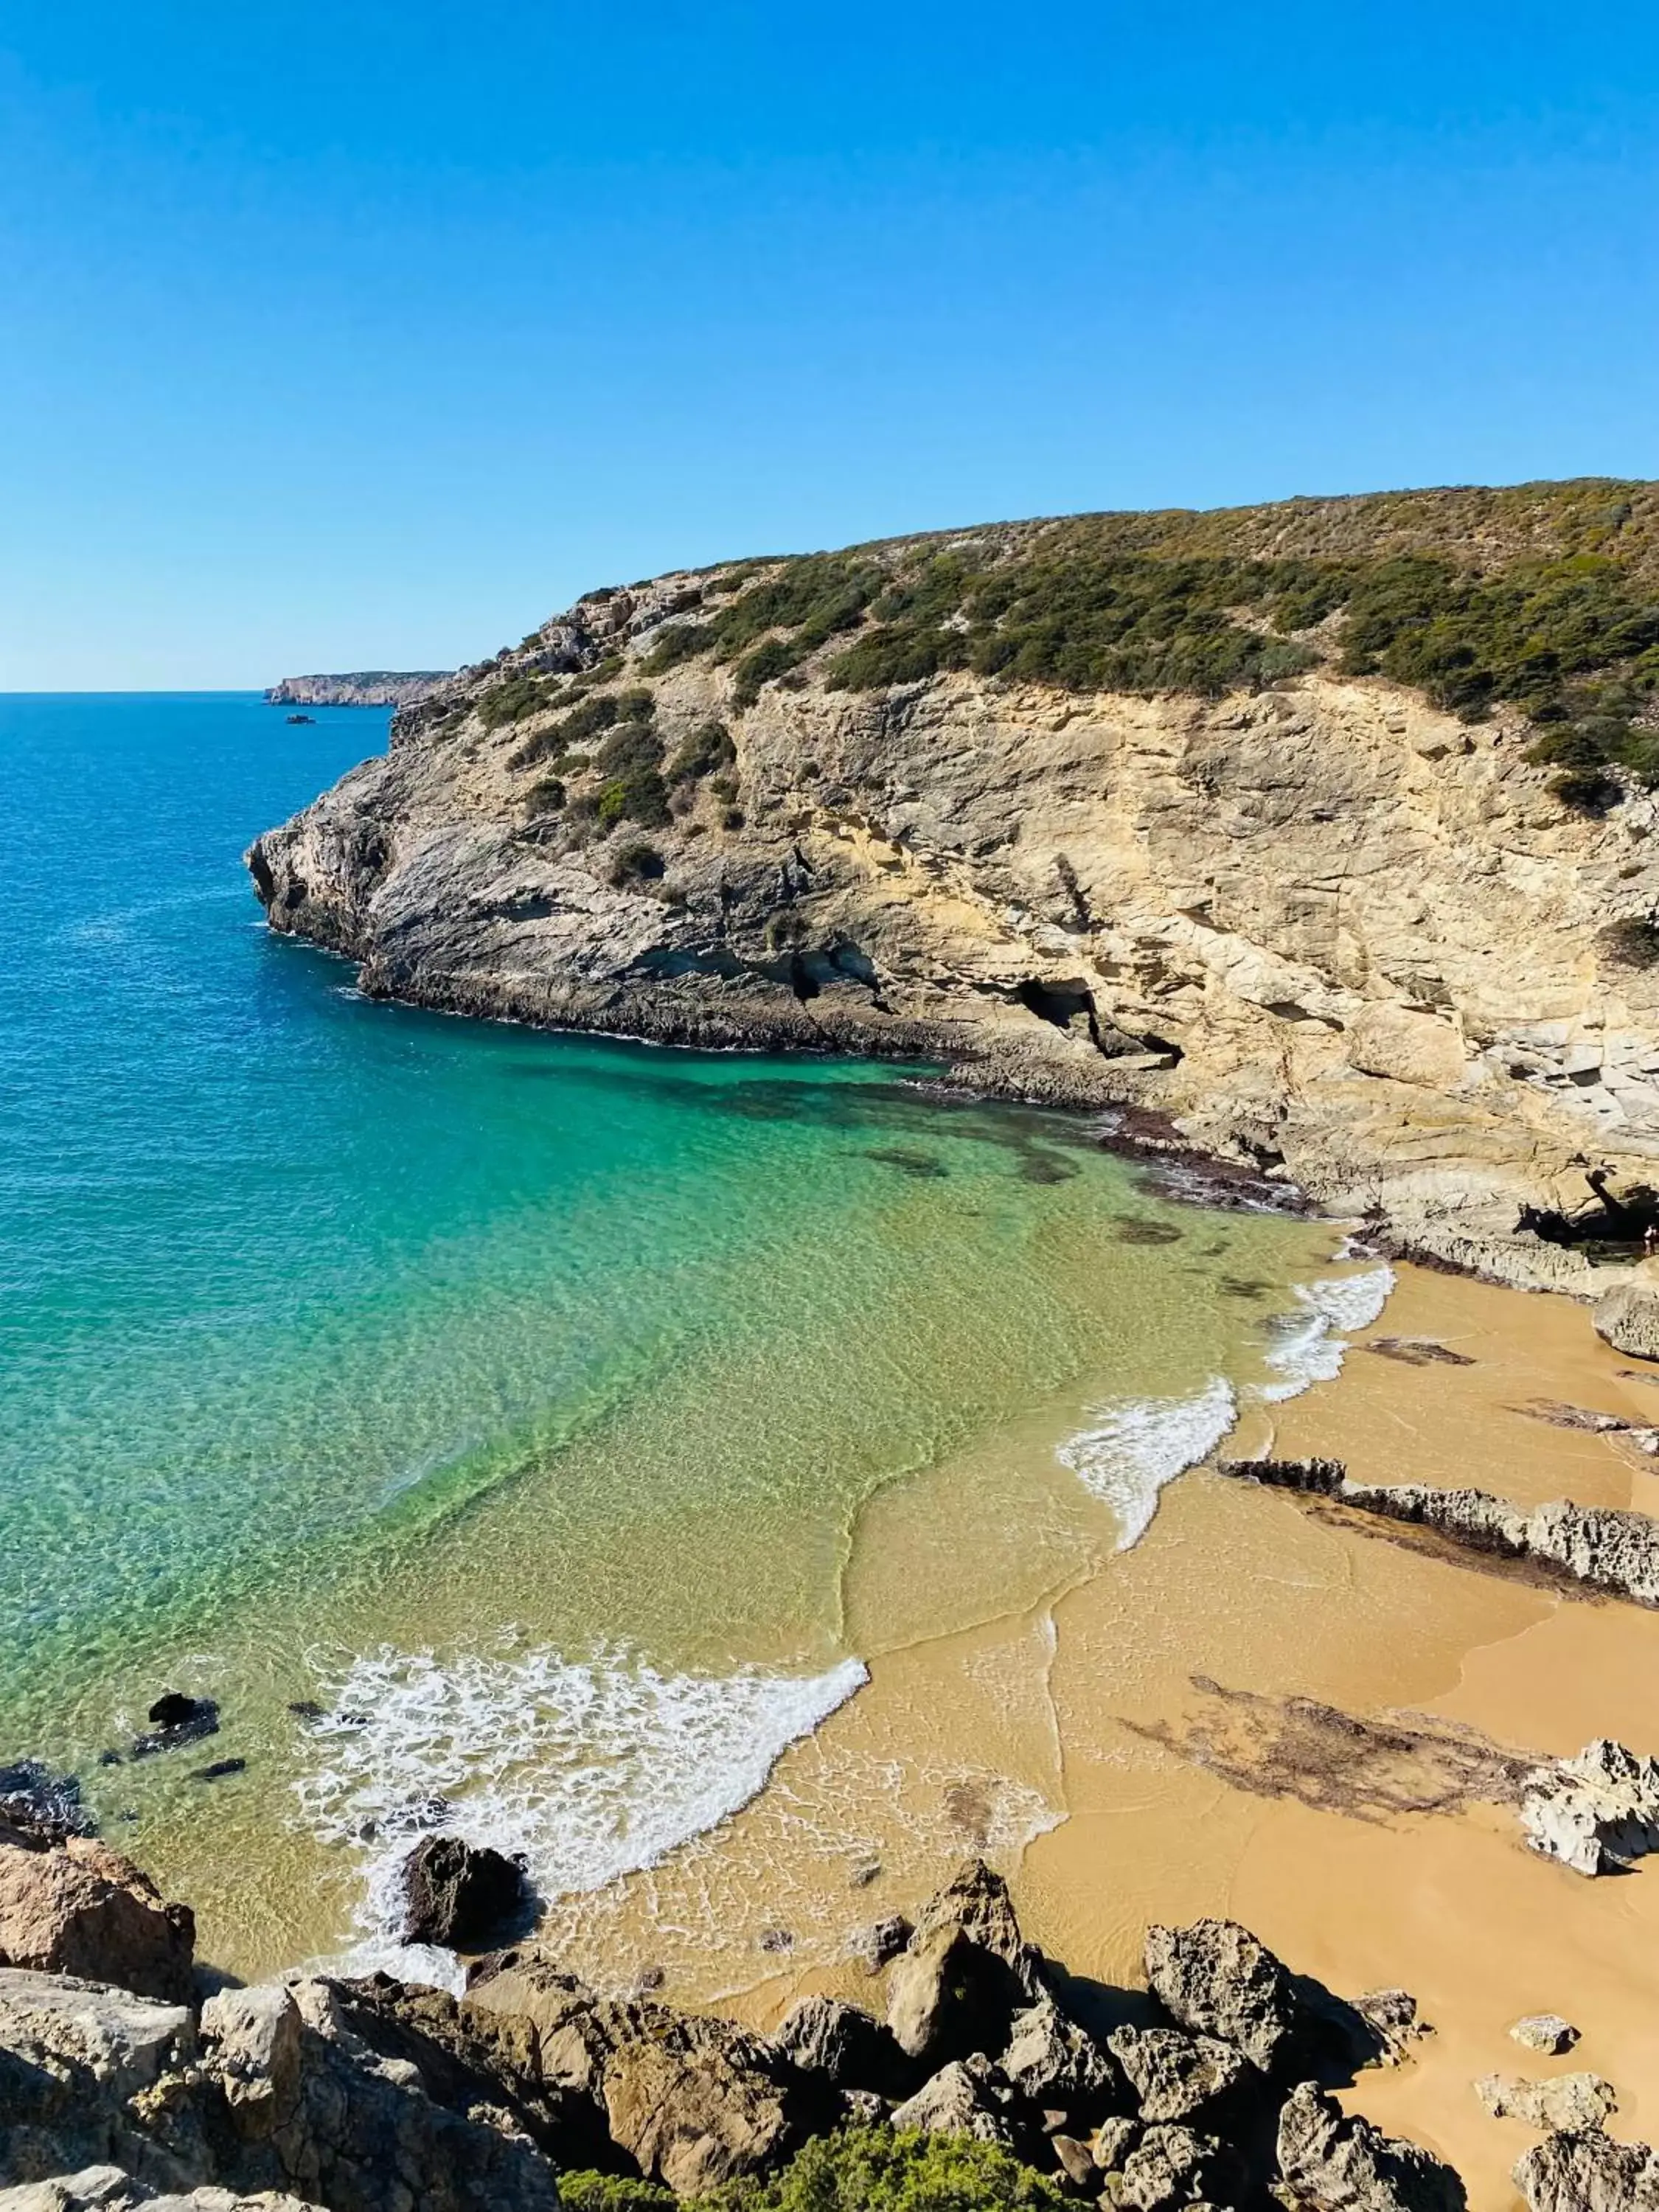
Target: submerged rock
(459,1894)
(176,1719)
(31,1794)
(70,1905)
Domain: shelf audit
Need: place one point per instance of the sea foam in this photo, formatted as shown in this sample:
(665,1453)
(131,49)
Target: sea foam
(1311,1342)
(590,1769)
(1137,1444)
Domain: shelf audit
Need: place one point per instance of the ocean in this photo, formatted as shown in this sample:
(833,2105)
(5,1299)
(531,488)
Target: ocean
(487,1421)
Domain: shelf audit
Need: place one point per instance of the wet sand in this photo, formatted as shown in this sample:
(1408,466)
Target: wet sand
(1265,1709)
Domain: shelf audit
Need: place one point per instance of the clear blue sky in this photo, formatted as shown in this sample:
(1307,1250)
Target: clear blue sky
(351,335)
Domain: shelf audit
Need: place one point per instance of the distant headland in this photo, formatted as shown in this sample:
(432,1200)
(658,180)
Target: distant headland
(364,687)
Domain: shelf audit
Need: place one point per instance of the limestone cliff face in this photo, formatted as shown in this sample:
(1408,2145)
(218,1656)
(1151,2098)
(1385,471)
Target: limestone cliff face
(366,687)
(1320,924)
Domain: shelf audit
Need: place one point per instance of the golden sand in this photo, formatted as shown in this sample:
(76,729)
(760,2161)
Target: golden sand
(1265,1709)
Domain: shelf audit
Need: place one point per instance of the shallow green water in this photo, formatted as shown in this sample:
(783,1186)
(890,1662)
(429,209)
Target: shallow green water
(336,1334)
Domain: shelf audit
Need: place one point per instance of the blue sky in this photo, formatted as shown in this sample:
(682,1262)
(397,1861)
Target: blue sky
(367,335)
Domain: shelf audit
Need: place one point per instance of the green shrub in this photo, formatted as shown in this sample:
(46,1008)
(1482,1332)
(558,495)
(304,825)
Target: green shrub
(707,748)
(583,2191)
(511,700)
(733,818)
(546,797)
(875,2170)
(774,658)
(685,641)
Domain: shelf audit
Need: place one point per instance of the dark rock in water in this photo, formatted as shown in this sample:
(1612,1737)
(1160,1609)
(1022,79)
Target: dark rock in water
(174,1711)
(908,1162)
(1588,2172)
(822,2035)
(776,1939)
(308,1710)
(218,1769)
(1132,1230)
(1416,1351)
(459,1894)
(1326,2158)
(32,1792)
(176,1719)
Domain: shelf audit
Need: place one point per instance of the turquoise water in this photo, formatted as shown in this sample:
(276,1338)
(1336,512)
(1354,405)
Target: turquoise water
(332,1330)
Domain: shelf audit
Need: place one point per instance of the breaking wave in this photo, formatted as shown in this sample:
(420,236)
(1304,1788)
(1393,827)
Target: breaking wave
(587,1769)
(1311,1342)
(1137,1444)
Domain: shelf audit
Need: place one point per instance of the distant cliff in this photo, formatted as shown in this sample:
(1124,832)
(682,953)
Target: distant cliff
(364,687)
(1328,829)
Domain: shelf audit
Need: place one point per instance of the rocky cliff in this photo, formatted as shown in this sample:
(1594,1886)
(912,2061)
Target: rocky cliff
(365,687)
(1323,829)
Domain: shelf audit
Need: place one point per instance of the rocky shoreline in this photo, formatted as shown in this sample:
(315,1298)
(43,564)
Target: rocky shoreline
(983,2074)
(1323,925)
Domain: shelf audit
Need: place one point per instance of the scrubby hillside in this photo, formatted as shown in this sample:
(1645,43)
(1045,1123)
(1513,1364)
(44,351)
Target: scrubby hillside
(1322,827)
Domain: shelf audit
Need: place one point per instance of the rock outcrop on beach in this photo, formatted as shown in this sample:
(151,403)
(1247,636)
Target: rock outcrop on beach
(1320,829)
(1603,1548)
(370,2096)
(365,687)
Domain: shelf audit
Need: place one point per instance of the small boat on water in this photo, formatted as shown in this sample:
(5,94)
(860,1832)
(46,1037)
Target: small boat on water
(302,718)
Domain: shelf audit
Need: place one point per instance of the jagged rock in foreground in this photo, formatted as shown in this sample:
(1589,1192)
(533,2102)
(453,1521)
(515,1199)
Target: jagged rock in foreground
(1588,2172)
(1599,1545)
(367,2096)
(69,1904)
(1231,815)
(1328,2161)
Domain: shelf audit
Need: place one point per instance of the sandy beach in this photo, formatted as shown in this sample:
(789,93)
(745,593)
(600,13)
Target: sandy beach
(1262,1711)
